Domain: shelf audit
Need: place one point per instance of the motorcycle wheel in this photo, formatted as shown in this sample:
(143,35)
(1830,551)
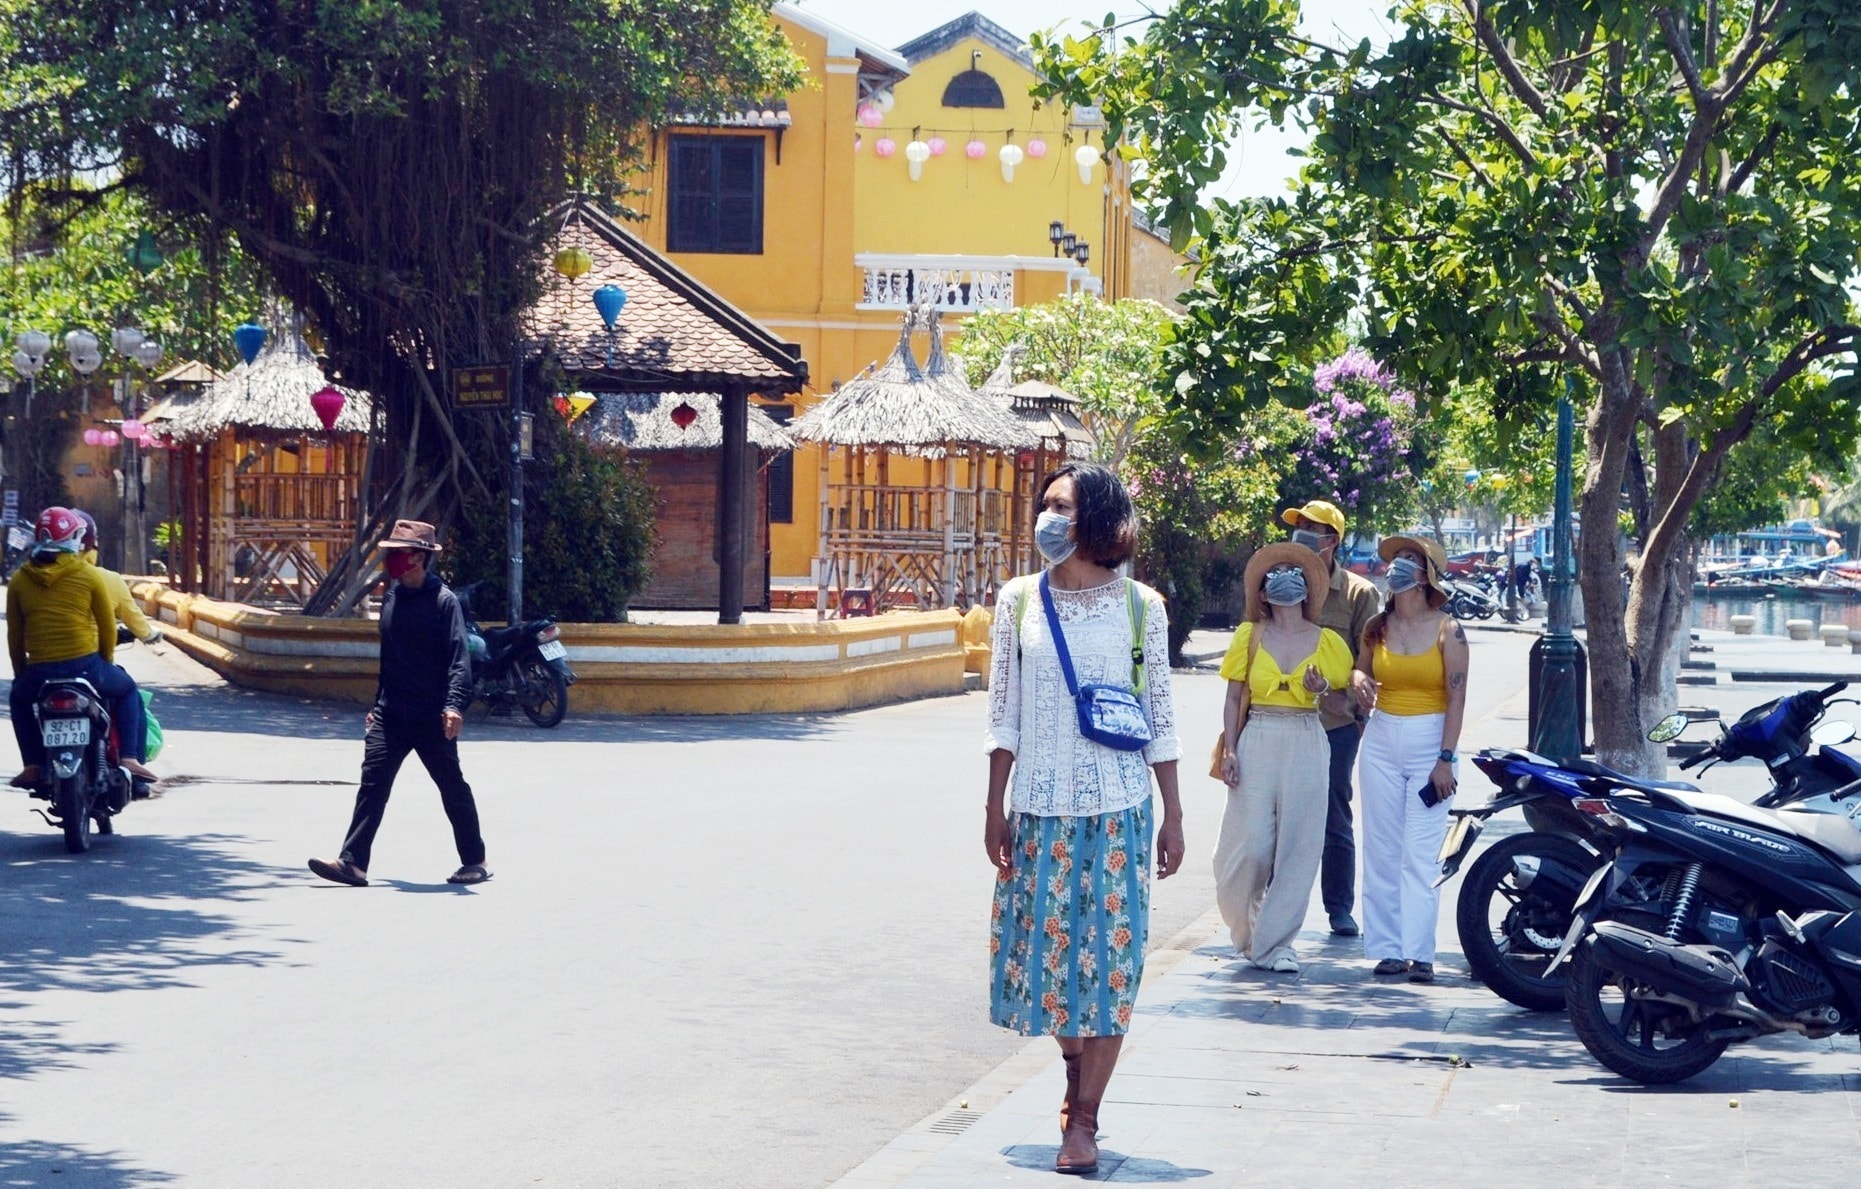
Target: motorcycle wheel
(1644,1041)
(73,814)
(545,694)
(1460,607)
(1485,611)
(1509,933)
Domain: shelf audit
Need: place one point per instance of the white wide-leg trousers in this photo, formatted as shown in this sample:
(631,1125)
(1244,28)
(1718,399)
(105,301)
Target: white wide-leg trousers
(1401,836)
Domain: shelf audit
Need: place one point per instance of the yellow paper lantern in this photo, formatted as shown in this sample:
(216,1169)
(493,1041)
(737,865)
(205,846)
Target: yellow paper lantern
(579,402)
(573,263)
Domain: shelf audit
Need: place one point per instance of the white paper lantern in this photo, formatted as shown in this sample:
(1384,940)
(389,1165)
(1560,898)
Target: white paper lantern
(125,339)
(1085,156)
(1011,155)
(27,365)
(916,154)
(149,353)
(34,342)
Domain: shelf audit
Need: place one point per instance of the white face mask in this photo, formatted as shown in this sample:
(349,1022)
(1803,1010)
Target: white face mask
(1053,536)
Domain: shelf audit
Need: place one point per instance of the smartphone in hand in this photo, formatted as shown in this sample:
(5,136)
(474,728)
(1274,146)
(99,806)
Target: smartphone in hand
(1429,795)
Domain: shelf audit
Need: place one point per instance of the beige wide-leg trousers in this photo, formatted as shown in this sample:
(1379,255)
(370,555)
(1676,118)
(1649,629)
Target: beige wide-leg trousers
(1273,833)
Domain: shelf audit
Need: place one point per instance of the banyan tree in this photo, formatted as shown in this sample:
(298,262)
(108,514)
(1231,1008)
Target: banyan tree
(938,543)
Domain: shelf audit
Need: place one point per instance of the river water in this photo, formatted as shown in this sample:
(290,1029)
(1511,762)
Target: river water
(1772,611)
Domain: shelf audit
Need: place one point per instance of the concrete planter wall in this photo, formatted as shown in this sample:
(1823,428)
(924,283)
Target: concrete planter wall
(621,668)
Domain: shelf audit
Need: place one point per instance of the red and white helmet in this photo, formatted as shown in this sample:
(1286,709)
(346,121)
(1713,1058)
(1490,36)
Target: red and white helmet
(60,529)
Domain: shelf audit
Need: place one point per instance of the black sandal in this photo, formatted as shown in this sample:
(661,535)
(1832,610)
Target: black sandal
(341,871)
(469,874)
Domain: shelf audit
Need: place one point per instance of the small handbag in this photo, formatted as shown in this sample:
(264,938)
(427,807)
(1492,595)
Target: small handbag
(1110,715)
(1247,703)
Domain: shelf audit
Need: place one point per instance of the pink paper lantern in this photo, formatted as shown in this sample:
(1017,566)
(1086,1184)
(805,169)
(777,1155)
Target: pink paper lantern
(885,146)
(871,116)
(134,430)
(327,403)
(109,437)
(93,437)
(974,150)
(938,146)
(1037,148)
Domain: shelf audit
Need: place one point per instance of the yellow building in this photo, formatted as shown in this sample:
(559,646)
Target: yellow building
(924,173)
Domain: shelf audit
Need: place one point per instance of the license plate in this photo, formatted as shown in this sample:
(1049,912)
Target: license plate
(552,650)
(1456,838)
(66,732)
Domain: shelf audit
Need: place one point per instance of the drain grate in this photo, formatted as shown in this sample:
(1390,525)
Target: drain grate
(954,1123)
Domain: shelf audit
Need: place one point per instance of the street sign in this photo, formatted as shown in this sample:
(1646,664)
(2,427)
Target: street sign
(481,388)
(9,511)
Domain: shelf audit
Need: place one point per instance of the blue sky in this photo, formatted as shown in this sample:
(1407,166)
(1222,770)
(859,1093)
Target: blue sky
(1259,164)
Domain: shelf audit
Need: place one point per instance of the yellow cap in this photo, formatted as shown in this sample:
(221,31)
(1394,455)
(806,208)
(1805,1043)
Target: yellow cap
(1323,511)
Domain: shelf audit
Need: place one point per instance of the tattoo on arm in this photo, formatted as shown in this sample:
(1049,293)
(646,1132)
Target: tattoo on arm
(1460,634)
(1456,680)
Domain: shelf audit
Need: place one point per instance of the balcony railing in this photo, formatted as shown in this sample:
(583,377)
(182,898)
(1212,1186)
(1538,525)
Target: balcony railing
(955,284)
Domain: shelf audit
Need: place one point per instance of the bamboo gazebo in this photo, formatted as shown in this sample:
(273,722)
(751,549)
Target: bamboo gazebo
(269,497)
(939,544)
(1052,415)
(677,436)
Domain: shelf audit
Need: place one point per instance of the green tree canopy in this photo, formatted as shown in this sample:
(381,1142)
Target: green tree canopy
(386,164)
(1659,200)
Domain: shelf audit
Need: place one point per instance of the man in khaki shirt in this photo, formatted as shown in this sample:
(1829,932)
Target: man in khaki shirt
(1353,601)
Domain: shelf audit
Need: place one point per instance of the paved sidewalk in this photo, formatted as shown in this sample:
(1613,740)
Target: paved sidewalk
(1232,1076)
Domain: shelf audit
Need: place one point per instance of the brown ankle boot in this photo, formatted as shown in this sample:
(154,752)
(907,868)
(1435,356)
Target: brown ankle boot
(1072,1088)
(1079,1147)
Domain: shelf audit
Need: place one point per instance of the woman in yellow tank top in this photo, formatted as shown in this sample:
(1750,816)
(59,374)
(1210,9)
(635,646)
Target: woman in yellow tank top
(1412,666)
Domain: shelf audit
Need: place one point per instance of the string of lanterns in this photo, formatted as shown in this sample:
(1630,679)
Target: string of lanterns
(919,150)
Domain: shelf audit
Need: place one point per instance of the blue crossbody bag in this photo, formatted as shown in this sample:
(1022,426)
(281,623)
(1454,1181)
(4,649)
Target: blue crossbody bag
(1108,714)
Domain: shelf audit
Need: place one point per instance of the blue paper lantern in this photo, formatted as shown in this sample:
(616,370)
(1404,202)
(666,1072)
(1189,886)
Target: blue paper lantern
(1472,477)
(248,337)
(610,300)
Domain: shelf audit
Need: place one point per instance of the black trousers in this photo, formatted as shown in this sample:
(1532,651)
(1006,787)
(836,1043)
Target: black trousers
(389,740)
(1337,880)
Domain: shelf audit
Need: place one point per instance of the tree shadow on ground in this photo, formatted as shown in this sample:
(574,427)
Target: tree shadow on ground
(36,1162)
(136,913)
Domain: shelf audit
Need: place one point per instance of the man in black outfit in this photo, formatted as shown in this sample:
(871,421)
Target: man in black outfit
(419,706)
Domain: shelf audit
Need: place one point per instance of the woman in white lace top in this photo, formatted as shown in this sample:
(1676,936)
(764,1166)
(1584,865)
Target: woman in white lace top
(1071,840)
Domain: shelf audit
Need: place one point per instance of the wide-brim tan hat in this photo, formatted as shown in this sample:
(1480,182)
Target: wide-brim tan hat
(1434,581)
(1280,553)
(411,534)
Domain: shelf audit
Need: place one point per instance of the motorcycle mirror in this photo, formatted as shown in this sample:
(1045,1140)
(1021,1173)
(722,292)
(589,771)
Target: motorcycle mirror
(1830,733)
(1668,728)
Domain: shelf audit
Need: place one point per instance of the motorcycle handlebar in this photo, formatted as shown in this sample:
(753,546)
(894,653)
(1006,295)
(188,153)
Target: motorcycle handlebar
(1825,694)
(1698,758)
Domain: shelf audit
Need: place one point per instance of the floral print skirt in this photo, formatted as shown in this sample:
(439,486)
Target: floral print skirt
(1068,926)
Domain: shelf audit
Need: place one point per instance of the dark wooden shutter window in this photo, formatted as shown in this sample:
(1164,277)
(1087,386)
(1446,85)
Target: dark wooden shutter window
(781,471)
(715,194)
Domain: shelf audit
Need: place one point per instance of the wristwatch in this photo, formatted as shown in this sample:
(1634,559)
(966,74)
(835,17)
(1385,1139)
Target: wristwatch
(1446,756)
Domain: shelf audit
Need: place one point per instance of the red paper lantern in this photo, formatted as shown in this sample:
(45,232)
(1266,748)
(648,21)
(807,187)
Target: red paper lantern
(683,415)
(562,407)
(327,403)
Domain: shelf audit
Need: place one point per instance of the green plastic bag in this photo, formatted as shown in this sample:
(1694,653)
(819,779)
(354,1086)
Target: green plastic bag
(154,738)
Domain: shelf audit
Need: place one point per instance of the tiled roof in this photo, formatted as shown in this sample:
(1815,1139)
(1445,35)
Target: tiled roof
(772,113)
(971,24)
(673,335)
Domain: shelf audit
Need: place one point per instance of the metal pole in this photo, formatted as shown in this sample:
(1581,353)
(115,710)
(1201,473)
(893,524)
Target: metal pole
(515,576)
(1558,701)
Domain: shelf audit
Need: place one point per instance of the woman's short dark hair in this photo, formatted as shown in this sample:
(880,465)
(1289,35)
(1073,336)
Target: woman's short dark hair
(1106,523)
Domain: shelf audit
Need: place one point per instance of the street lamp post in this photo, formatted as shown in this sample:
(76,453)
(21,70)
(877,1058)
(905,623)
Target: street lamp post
(1559,734)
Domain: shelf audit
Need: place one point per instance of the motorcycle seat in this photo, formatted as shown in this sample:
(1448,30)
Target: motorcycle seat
(1591,768)
(497,639)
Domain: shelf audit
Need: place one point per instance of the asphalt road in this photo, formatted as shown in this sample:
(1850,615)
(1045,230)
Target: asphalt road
(715,951)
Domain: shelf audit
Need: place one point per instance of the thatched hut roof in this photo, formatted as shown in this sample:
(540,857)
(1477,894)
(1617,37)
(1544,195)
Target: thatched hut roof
(642,422)
(1049,412)
(902,407)
(271,393)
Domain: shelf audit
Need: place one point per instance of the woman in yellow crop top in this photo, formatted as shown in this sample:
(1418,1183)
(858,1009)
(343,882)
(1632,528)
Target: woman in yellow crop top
(1277,768)
(1412,666)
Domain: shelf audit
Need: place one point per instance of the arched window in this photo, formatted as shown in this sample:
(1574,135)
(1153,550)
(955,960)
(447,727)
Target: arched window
(973,88)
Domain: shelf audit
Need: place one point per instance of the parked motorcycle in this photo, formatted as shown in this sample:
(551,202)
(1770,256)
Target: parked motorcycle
(524,666)
(1713,922)
(82,777)
(1469,600)
(1515,906)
